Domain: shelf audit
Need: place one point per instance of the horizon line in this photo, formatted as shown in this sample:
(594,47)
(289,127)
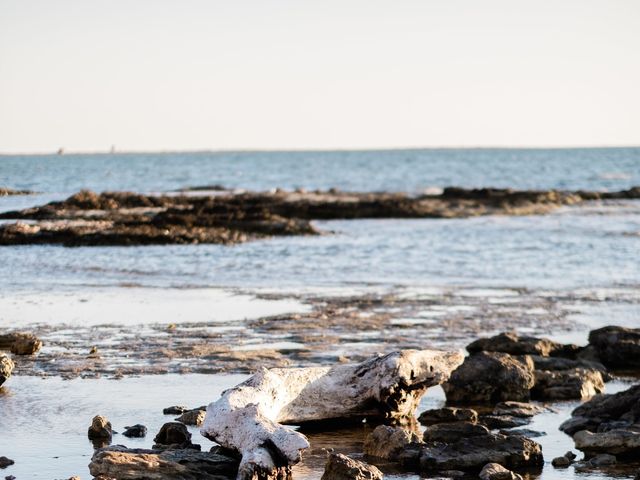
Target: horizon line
(302,150)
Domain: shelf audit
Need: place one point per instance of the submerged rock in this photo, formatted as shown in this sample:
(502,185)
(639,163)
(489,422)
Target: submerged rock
(341,467)
(140,464)
(6,368)
(448,415)
(567,384)
(135,431)
(490,377)
(617,347)
(495,471)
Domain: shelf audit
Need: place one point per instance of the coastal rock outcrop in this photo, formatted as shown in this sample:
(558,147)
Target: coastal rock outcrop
(491,377)
(341,467)
(448,415)
(514,344)
(249,418)
(6,368)
(20,343)
(139,464)
(495,471)
(617,347)
(567,384)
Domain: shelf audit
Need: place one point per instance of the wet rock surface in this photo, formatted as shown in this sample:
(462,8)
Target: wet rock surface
(6,368)
(174,435)
(495,471)
(567,384)
(388,442)
(489,378)
(20,343)
(447,415)
(100,428)
(193,417)
(140,464)
(125,218)
(342,467)
(513,344)
(135,431)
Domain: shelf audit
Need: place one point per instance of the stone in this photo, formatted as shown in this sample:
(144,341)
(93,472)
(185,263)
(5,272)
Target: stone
(570,455)
(175,410)
(135,431)
(524,432)
(20,343)
(513,344)
(625,443)
(141,464)
(517,409)
(173,435)
(617,347)
(489,378)
(6,462)
(558,363)
(447,415)
(561,462)
(193,417)
(567,384)
(452,432)
(495,471)
(502,421)
(6,368)
(473,453)
(100,428)
(388,442)
(602,460)
(341,467)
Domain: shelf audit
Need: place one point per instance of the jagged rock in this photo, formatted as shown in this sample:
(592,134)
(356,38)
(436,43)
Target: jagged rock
(388,442)
(341,467)
(495,471)
(511,451)
(606,412)
(175,410)
(174,435)
(617,347)
(503,421)
(490,377)
(6,368)
(6,462)
(249,418)
(140,464)
(517,409)
(447,415)
(135,431)
(561,462)
(193,417)
(625,443)
(20,343)
(100,428)
(513,344)
(452,432)
(567,384)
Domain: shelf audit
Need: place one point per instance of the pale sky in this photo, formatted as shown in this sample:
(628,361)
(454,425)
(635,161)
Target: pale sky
(325,74)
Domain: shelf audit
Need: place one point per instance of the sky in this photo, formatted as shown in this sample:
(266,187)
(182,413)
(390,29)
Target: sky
(327,74)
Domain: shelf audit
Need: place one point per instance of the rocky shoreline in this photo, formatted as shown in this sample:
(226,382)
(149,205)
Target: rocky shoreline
(124,218)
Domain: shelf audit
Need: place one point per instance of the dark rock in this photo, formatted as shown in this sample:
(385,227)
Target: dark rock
(514,344)
(490,377)
(140,464)
(502,421)
(447,415)
(100,428)
(602,460)
(558,363)
(175,410)
(6,462)
(567,384)
(561,462)
(20,343)
(174,435)
(625,443)
(617,347)
(473,453)
(495,471)
(452,432)
(517,409)
(341,467)
(135,431)
(6,368)
(523,432)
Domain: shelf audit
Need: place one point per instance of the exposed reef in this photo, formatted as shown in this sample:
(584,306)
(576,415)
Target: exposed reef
(124,218)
